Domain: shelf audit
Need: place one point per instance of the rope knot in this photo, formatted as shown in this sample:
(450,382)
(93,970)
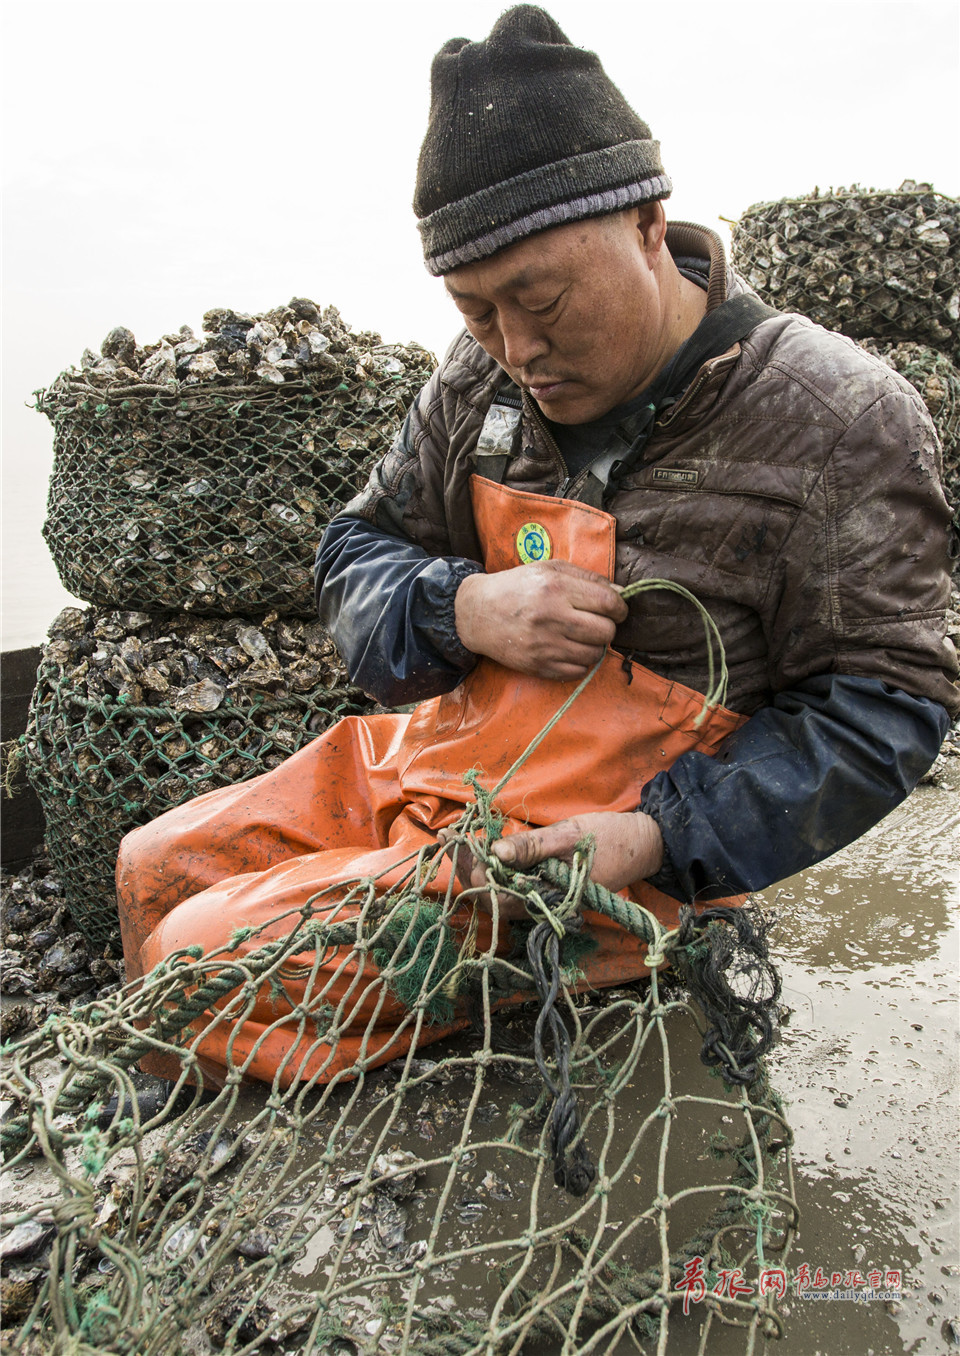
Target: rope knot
(77,1211)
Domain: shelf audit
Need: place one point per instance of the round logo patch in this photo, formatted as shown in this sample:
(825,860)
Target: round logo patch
(533,543)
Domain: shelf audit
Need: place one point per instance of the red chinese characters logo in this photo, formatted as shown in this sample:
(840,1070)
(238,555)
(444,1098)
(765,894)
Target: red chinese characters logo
(693,1283)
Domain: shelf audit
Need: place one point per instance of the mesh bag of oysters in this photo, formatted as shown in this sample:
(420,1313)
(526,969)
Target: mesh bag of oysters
(134,713)
(191,483)
(197,474)
(871,265)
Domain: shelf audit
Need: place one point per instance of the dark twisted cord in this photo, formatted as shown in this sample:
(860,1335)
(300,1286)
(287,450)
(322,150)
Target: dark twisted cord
(715,947)
(572,1168)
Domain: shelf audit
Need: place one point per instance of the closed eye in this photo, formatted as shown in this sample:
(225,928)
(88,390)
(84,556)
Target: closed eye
(547,309)
(479,320)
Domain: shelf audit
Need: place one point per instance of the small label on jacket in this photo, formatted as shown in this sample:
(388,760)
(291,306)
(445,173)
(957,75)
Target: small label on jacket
(673,476)
(498,432)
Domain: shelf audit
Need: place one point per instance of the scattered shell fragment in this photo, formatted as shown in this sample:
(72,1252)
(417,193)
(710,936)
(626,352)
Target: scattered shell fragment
(183,1242)
(390,1223)
(24,1239)
(403,1168)
(496,1187)
(256,1244)
(219,1150)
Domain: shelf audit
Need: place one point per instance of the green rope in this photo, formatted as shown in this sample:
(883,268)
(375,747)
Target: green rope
(715,695)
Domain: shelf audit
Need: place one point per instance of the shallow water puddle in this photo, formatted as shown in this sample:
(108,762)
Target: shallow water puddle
(868,947)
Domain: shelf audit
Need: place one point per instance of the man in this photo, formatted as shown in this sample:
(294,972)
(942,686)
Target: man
(619,410)
(791,485)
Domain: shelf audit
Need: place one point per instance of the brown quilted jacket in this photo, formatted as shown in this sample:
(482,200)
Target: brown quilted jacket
(810,519)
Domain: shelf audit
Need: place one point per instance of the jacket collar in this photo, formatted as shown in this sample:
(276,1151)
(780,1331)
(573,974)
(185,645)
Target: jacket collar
(685,238)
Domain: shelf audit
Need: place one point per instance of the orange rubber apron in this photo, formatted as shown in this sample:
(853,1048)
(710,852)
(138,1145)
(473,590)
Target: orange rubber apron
(359,799)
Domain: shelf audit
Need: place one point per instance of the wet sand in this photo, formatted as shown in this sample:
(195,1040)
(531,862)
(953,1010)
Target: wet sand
(868,949)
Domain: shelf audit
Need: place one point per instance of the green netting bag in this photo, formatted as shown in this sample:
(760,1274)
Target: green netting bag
(198,474)
(133,714)
(866,263)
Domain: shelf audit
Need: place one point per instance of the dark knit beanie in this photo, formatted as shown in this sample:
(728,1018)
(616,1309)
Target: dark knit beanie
(526,132)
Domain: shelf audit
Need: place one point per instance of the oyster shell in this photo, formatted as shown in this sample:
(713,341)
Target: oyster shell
(120,345)
(160,368)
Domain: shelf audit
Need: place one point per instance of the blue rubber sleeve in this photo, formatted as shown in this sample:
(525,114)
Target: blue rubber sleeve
(799,780)
(390,608)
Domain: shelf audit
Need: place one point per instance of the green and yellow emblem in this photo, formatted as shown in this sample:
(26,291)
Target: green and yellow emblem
(533,544)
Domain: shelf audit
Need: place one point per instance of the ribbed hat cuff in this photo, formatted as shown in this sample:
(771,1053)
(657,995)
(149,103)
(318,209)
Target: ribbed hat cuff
(592,205)
(580,186)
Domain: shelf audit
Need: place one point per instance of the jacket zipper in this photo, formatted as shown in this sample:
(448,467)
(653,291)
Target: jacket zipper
(563,479)
(566,480)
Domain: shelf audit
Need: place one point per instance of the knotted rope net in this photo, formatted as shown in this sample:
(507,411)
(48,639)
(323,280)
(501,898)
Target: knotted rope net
(550,1180)
(414,1208)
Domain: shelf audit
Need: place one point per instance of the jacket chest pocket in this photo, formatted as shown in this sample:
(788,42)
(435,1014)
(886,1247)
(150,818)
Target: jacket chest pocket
(719,516)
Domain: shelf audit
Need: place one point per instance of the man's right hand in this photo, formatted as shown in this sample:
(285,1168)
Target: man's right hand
(550,620)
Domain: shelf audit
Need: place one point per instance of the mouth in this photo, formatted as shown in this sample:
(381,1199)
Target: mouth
(545,390)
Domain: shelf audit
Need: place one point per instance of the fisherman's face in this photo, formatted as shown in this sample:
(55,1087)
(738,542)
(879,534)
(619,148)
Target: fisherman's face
(575,314)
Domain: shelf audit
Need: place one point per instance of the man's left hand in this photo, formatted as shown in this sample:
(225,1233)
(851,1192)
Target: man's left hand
(628,848)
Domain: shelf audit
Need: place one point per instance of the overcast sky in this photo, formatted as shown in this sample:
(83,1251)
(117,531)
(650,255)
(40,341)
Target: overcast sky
(166,156)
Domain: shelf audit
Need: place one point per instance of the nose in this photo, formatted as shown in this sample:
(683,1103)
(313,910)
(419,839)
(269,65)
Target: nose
(523,340)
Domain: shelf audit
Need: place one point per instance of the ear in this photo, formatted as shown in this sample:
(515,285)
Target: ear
(652,225)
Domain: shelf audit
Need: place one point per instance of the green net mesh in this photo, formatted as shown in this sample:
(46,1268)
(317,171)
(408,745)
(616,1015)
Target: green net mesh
(198,474)
(881,265)
(405,1209)
(133,714)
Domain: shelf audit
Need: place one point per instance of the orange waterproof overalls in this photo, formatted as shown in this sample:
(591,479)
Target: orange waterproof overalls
(362,797)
